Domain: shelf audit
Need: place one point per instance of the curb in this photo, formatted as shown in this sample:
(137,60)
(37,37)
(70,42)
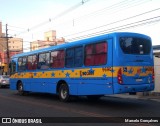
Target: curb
(150,97)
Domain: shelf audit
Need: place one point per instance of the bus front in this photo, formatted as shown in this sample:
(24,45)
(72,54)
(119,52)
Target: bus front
(133,62)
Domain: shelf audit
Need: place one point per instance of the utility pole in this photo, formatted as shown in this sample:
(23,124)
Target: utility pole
(7,49)
(8,56)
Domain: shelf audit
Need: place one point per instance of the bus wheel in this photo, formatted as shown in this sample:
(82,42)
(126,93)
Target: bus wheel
(20,88)
(64,92)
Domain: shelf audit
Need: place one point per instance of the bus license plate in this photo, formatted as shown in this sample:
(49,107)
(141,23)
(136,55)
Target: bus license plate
(138,80)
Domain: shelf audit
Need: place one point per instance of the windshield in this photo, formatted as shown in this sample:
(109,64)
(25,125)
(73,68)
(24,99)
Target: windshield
(133,45)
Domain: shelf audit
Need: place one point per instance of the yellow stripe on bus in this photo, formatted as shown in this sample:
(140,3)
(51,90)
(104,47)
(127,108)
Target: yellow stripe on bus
(87,72)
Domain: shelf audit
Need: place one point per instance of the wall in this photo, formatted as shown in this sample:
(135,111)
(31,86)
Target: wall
(157,73)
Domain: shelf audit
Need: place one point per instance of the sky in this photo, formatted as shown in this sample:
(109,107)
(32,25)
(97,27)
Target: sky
(77,19)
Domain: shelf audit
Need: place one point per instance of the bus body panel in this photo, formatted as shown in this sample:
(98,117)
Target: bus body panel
(136,69)
(99,84)
(122,73)
(118,89)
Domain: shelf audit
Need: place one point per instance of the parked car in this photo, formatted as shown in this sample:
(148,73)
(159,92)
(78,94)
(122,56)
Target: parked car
(4,80)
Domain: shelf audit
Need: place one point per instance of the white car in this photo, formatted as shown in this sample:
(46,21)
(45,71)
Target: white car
(4,80)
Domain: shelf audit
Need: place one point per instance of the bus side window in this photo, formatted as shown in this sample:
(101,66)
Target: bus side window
(19,63)
(89,57)
(13,67)
(44,59)
(70,57)
(22,63)
(96,54)
(74,57)
(29,63)
(57,59)
(78,58)
(101,53)
(32,62)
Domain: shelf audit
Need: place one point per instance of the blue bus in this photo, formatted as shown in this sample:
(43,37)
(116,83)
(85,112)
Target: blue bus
(114,63)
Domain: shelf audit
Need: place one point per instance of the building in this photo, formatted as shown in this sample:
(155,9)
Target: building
(15,46)
(50,35)
(49,40)
(156,52)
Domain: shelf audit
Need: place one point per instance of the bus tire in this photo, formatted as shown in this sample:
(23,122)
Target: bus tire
(64,92)
(20,88)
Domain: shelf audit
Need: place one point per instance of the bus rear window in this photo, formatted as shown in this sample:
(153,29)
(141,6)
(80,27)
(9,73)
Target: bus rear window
(133,45)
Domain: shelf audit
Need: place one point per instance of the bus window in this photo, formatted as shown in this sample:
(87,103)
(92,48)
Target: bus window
(78,61)
(13,67)
(132,45)
(22,63)
(57,59)
(74,57)
(44,59)
(32,62)
(70,57)
(96,54)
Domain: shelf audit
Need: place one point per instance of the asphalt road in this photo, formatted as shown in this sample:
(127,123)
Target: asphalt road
(37,106)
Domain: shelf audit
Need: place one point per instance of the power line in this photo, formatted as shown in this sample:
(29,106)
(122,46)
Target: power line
(122,27)
(120,4)
(51,19)
(152,20)
(116,21)
(145,22)
(56,17)
(115,7)
(16,27)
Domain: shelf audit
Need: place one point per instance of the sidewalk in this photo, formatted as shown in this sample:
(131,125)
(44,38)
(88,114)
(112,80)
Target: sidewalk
(147,96)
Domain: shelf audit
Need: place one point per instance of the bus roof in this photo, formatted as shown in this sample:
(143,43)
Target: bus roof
(76,43)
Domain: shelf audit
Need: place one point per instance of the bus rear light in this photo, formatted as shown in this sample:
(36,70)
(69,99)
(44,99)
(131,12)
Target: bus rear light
(119,76)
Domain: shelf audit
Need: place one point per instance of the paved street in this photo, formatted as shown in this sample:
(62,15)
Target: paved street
(46,105)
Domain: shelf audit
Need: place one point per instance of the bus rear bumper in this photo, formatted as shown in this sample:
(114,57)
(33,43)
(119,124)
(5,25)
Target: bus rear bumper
(120,88)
